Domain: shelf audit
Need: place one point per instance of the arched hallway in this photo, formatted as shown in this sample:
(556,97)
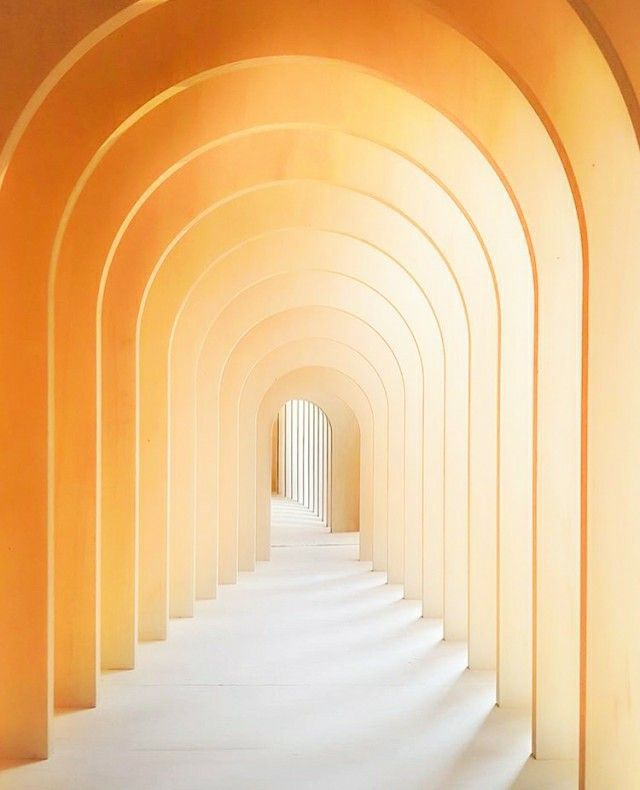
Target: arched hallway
(379,257)
(325,677)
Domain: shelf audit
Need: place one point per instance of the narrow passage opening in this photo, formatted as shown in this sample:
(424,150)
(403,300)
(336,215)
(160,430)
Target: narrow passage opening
(301,457)
(315,475)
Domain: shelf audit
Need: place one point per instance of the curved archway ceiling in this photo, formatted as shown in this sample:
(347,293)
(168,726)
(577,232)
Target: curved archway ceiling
(259,199)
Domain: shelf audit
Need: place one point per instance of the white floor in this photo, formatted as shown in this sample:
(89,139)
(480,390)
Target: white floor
(310,673)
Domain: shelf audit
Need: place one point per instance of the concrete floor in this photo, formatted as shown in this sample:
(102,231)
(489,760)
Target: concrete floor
(310,673)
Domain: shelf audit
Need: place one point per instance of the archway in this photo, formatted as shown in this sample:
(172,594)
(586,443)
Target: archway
(320,448)
(536,93)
